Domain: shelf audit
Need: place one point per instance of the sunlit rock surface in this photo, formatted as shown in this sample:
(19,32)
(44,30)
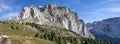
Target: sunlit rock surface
(54,15)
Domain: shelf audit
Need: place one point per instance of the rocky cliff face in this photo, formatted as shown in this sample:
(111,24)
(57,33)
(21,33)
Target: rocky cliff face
(106,29)
(56,16)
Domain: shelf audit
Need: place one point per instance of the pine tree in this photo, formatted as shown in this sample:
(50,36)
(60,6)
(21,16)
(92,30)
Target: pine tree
(77,41)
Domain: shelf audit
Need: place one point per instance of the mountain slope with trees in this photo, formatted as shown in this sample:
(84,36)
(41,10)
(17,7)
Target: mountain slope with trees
(24,33)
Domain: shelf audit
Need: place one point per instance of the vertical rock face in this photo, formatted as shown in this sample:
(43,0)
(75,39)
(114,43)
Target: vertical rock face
(55,16)
(106,29)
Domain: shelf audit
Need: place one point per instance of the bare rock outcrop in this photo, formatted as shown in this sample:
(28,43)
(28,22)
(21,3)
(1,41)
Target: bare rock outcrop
(54,15)
(4,40)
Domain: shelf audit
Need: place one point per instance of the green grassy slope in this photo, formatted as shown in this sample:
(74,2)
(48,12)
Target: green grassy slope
(30,33)
(21,33)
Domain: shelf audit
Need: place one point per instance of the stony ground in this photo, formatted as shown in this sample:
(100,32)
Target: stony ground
(4,40)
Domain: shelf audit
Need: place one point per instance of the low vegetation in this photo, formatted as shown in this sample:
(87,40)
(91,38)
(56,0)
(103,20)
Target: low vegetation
(31,33)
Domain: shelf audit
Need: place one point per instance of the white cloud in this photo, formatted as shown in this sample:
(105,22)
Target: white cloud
(12,14)
(97,4)
(95,13)
(110,9)
(0,11)
(4,7)
(75,1)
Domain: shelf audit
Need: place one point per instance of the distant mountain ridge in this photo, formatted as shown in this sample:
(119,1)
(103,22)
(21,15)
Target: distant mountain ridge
(108,29)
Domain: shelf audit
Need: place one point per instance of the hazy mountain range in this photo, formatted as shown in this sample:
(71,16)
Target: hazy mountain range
(107,29)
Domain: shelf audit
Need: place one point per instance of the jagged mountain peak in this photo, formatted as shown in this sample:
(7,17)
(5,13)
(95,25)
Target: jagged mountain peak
(54,15)
(50,6)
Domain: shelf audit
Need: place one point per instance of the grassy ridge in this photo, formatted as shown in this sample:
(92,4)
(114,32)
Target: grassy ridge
(21,34)
(31,33)
(29,40)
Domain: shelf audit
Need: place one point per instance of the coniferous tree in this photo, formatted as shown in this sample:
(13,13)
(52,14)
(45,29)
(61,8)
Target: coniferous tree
(78,41)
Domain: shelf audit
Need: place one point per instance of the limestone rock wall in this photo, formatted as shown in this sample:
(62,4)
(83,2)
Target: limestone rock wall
(54,15)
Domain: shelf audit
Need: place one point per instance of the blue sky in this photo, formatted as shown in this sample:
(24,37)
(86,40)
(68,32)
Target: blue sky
(88,10)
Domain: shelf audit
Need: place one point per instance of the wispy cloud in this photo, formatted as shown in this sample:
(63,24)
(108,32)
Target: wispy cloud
(75,1)
(97,4)
(7,10)
(12,14)
(110,9)
(4,7)
(101,13)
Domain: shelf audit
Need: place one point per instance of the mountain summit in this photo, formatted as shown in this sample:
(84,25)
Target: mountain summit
(53,15)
